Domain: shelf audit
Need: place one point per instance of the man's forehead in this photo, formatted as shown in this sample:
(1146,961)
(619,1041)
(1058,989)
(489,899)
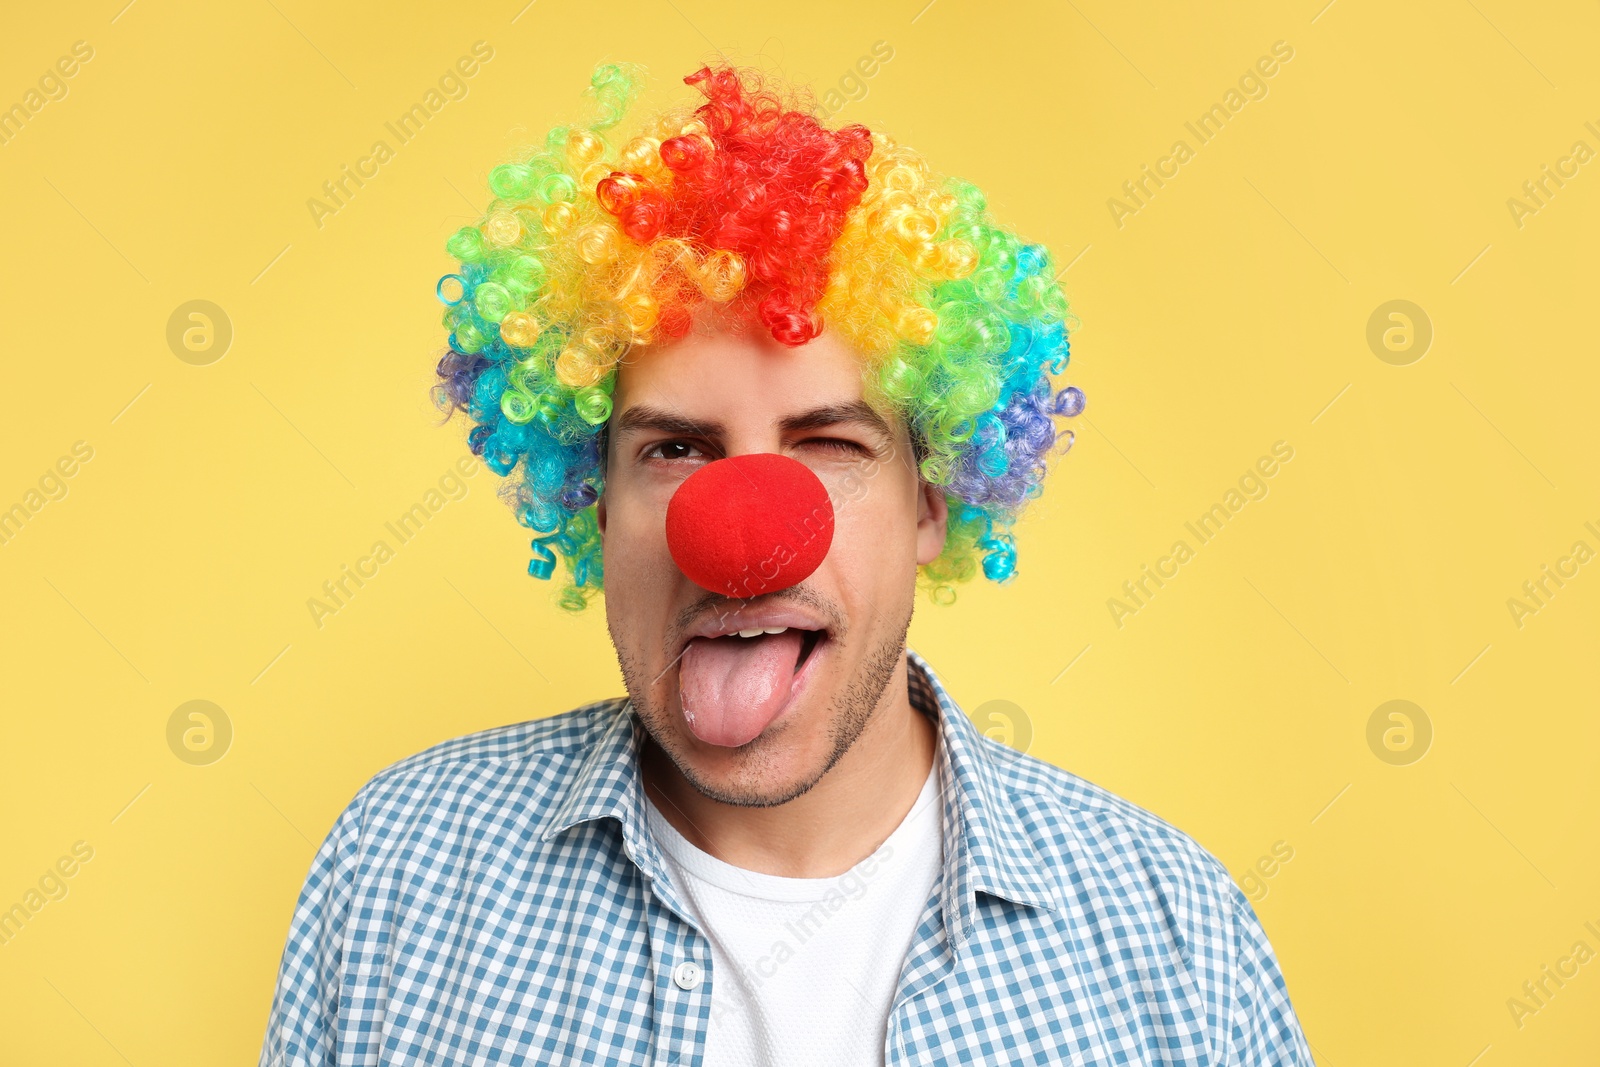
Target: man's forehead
(718,378)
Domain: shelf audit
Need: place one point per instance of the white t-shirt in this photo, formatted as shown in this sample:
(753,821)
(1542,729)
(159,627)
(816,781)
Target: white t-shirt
(805,969)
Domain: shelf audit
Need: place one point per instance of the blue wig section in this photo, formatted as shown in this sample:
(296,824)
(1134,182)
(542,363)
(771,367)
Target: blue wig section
(1002,464)
(551,458)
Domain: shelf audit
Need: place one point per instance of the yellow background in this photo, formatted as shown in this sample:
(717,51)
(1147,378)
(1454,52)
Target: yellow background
(1230,312)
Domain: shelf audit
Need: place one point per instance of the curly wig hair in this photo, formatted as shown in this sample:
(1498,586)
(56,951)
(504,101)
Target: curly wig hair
(594,245)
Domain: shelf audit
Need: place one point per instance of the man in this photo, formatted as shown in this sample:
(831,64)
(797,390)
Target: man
(787,845)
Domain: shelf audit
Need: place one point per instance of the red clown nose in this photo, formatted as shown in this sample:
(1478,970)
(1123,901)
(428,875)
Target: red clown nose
(751,524)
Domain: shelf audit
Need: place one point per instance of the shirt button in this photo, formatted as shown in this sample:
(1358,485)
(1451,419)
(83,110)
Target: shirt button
(687,974)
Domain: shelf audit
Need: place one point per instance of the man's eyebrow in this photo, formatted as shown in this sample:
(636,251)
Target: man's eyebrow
(856,411)
(640,418)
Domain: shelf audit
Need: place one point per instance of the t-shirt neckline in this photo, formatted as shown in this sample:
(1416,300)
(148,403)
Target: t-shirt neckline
(762,886)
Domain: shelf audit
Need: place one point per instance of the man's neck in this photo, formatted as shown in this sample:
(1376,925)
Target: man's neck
(831,827)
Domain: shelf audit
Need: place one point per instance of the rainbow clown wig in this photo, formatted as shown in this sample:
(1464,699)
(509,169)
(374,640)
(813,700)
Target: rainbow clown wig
(595,246)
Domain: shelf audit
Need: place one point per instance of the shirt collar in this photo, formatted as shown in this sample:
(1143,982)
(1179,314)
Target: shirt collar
(985,846)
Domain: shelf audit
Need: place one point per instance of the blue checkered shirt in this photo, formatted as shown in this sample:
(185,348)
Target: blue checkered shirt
(499,899)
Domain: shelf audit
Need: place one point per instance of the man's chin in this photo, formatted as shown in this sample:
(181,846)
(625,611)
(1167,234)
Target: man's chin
(788,756)
(775,767)
(818,726)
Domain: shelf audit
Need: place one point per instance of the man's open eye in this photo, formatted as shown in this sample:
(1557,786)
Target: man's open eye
(674,449)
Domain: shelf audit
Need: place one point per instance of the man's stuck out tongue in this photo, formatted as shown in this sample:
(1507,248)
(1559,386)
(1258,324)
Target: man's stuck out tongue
(731,688)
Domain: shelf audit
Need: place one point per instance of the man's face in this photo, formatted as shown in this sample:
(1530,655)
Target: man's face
(715,395)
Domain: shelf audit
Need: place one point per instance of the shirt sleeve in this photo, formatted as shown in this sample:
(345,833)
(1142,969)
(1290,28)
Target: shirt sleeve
(302,1026)
(1266,1032)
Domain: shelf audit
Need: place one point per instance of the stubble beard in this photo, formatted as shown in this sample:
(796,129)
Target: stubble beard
(848,718)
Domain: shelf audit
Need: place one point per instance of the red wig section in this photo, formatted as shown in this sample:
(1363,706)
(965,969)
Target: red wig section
(766,182)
